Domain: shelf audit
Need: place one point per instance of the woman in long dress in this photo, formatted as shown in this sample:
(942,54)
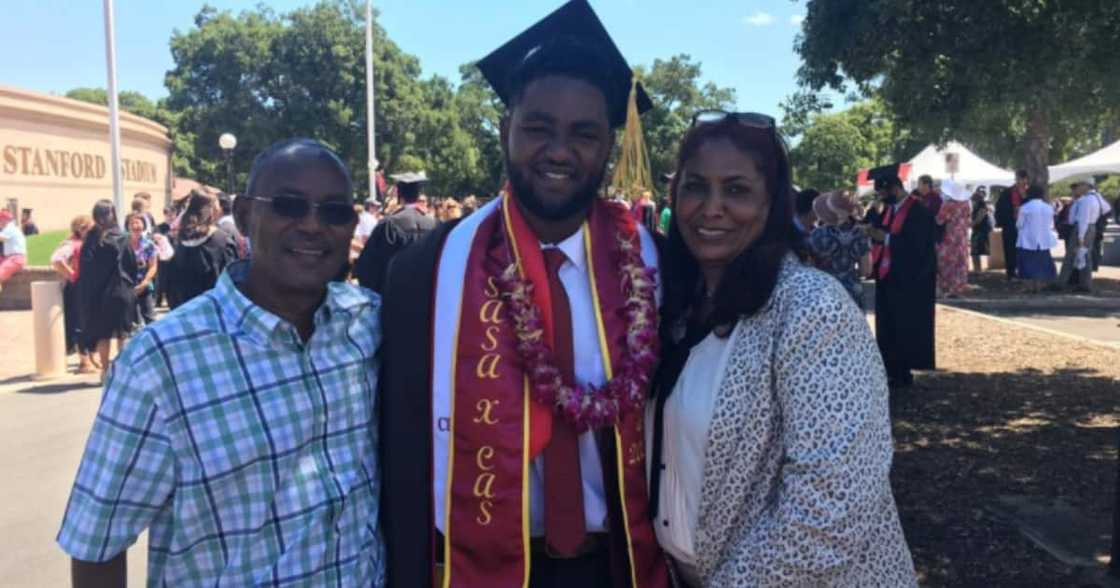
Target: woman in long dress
(952,252)
(105,285)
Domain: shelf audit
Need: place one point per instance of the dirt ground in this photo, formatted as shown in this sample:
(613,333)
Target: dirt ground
(993,285)
(1011,411)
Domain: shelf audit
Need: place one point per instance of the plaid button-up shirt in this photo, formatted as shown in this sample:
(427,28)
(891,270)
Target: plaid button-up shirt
(249,455)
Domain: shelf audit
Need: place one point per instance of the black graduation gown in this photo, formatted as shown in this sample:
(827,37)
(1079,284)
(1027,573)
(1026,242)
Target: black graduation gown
(405,415)
(195,269)
(1005,215)
(904,301)
(390,236)
(1005,211)
(405,411)
(106,300)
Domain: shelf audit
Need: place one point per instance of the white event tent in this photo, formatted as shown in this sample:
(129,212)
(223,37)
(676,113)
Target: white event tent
(958,163)
(953,162)
(1105,161)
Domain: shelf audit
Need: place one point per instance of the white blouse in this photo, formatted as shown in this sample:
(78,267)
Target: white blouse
(1036,226)
(688,414)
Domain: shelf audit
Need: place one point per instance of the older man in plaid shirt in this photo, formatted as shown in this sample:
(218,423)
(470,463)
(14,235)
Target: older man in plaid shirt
(238,429)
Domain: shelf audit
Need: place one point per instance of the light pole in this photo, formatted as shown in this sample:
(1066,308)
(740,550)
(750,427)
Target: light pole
(227,142)
(371,121)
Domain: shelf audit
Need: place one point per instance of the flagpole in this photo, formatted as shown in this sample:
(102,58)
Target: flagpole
(370,112)
(114,115)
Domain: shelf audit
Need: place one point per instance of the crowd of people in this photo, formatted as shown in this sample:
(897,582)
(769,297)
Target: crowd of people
(545,388)
(114,279)
(1030,222)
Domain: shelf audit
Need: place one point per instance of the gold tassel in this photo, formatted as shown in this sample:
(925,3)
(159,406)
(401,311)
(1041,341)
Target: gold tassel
(631,174)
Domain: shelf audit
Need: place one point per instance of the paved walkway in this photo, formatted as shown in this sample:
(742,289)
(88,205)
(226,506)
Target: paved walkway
(1096,318)
(43,429)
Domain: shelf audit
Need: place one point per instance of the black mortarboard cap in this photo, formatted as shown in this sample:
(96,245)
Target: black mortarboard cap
(410,177)
(880,175)
(576,21)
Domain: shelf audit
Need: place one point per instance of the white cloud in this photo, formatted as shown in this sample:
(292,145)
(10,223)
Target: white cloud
(759,19)
(797,19)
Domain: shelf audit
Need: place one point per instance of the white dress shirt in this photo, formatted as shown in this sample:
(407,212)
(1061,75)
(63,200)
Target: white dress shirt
(1086,211)
(14,242)
(1036,226)
(587,356)
(589,370)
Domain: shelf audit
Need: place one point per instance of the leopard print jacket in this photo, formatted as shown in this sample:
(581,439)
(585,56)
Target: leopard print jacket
(796,487)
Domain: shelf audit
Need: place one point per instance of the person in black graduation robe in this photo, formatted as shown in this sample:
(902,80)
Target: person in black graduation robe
(904,299)
(1006,216)
(406,450)
(391,235)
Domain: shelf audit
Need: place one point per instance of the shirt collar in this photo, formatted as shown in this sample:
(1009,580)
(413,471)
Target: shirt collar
(245,316)
(572,248)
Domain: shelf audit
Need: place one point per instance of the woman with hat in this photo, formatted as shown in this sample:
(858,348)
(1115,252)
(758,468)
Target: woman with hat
(838,244)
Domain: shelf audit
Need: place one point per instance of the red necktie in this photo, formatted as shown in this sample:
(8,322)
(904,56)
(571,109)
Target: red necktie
(564,528)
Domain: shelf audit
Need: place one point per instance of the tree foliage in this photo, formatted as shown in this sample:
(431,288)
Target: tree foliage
(829,149)
(677,92)
(266,76)
(182,153)
(1032,76)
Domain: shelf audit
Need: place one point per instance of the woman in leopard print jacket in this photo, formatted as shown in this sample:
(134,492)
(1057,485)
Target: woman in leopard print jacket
(769,438)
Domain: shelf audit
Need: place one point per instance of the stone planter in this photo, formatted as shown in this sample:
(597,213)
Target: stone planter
(17,291)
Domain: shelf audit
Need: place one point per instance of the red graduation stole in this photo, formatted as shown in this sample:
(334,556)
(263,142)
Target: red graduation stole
(892,222)
(497,428)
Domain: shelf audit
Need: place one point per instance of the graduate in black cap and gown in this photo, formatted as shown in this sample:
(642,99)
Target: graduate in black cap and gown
(904,263)
(395,232)
(507,460)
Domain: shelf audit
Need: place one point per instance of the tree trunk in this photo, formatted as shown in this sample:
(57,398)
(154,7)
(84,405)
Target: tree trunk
(1037,146)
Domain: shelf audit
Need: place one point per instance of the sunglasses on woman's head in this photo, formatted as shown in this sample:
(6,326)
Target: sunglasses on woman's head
(332,212)
(750,119)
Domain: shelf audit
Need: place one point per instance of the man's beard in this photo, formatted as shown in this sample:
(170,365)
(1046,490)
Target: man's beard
(580,201)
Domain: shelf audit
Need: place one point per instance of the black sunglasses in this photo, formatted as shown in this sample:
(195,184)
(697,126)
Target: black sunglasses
(750,119)
(293,207)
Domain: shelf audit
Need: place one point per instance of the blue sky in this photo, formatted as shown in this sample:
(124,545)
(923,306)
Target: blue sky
(54,45)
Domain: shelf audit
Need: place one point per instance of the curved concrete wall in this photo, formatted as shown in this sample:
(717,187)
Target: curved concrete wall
(54,156)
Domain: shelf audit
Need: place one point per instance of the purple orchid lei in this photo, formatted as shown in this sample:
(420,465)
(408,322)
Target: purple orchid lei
(590,407)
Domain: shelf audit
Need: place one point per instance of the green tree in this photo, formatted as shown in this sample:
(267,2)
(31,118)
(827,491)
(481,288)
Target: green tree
(265,76)
(830,153)
(677,92)
(449,152)
(1039,71)
(480,114)
(829,149)
(140,105)
(129,101)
